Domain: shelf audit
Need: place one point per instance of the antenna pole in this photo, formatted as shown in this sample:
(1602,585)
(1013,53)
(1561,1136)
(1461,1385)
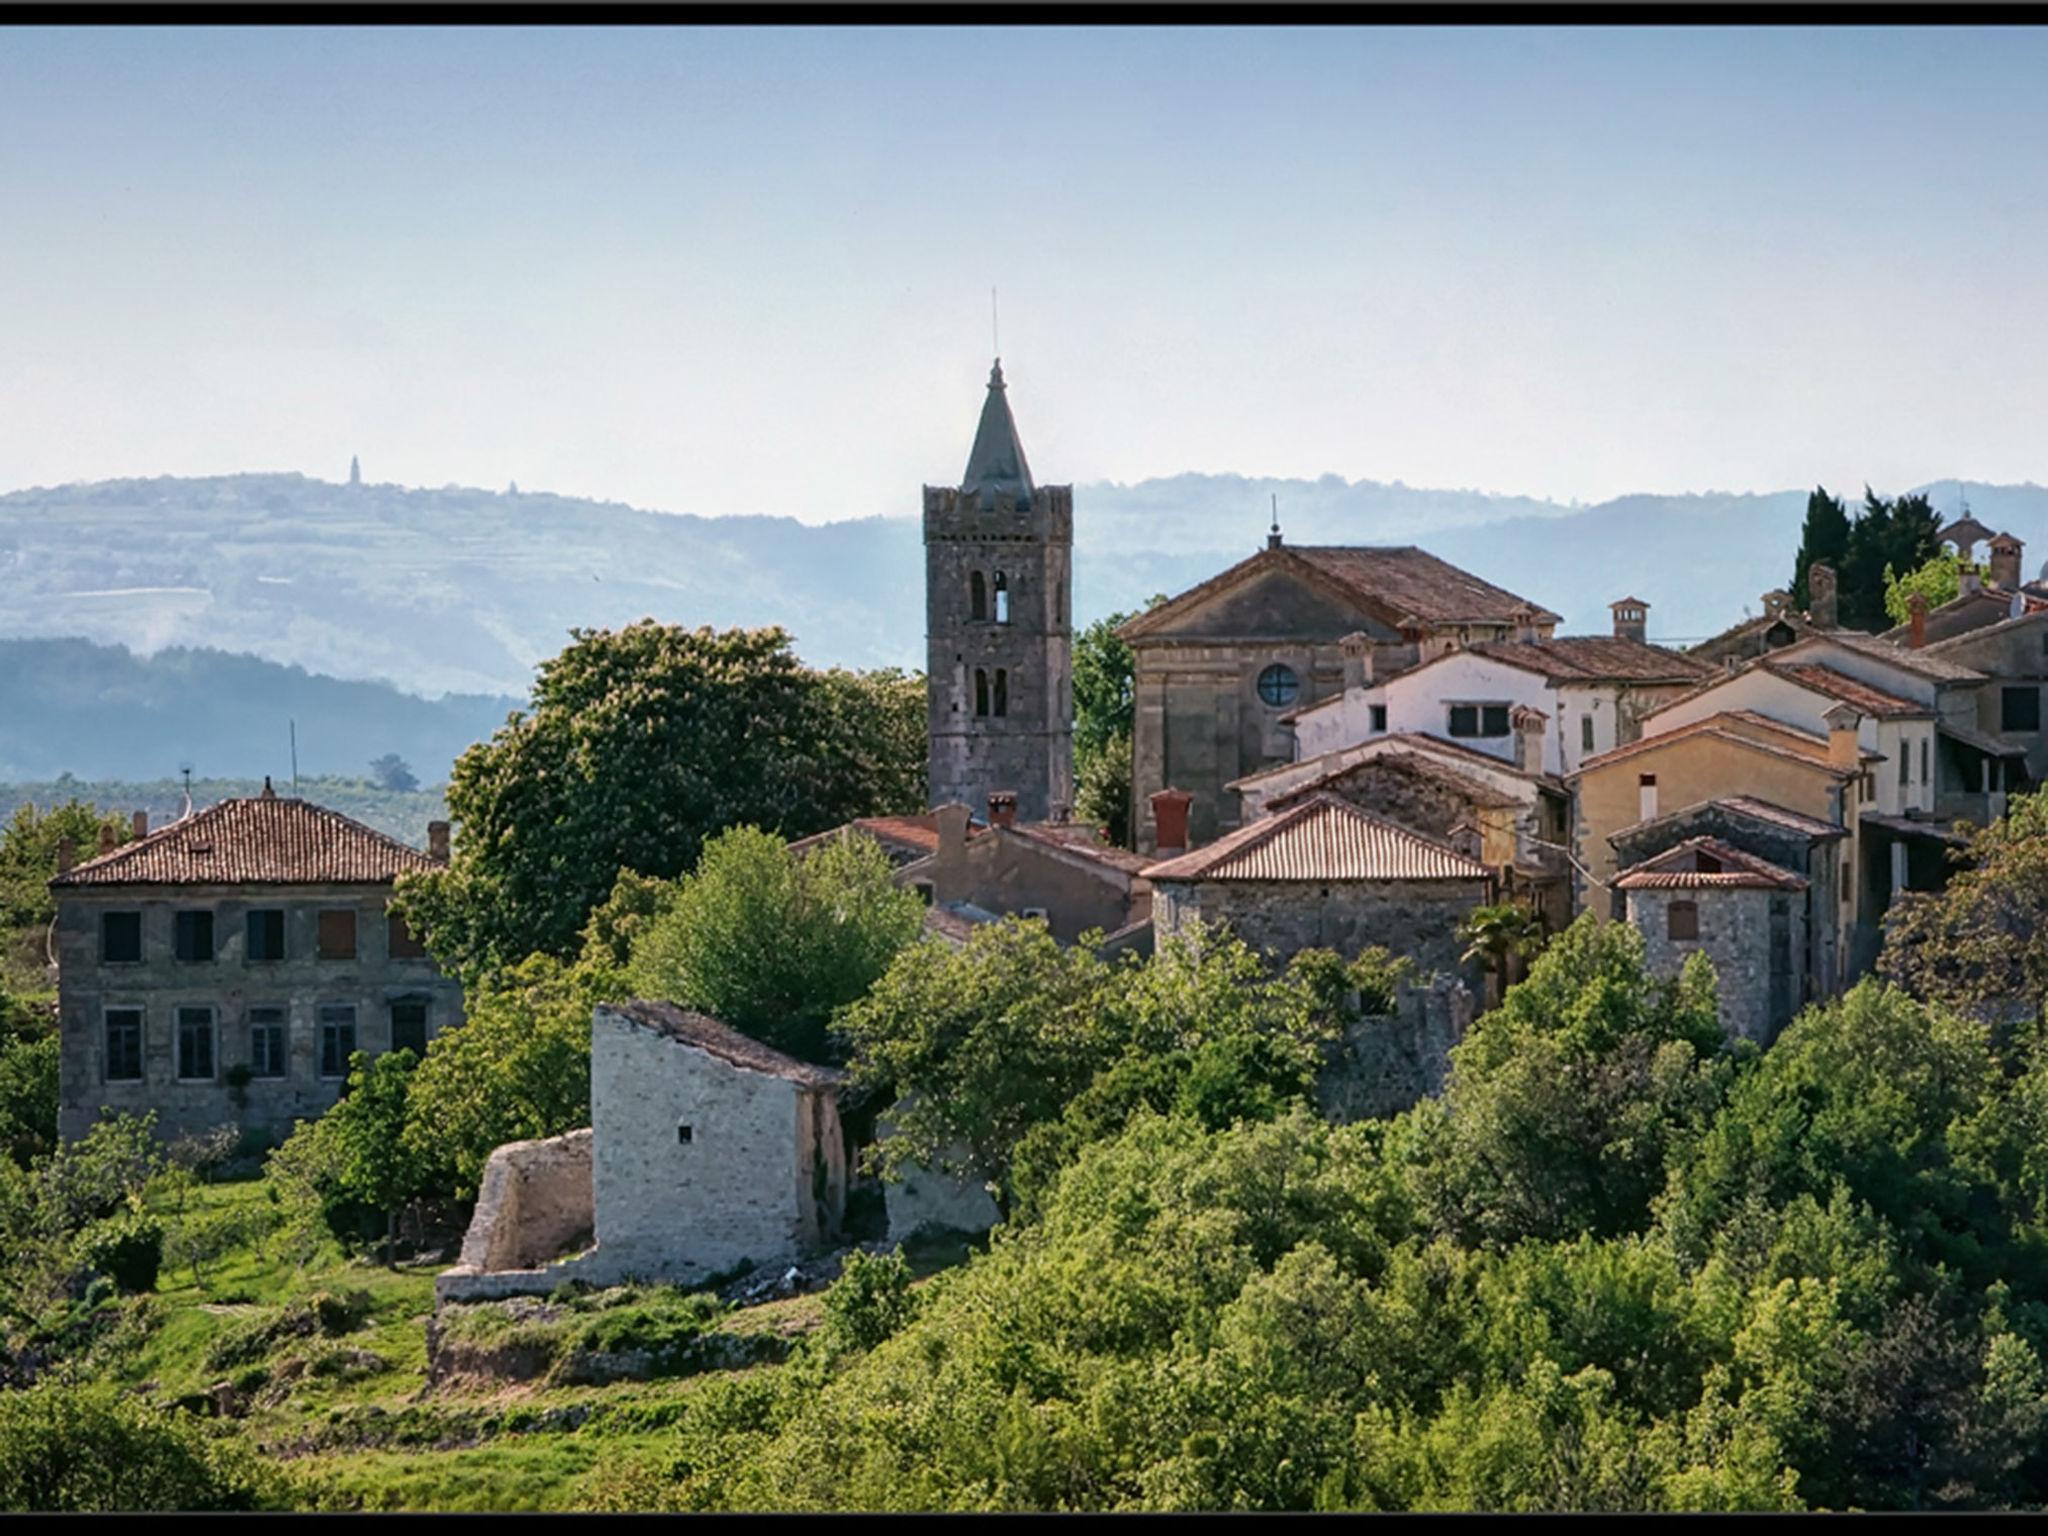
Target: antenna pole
(995,328)
(295,757)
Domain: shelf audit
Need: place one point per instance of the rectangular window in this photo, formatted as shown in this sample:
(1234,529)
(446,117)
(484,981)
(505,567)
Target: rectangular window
(1924,743)
(267,1043)
(1479,720)
(2020,709)
(1585,733)
(338,934)
(1905,763)
(1379,717)
(195,1044)
(192,935)
(400,939)
(266,934)
(337,1038)
(124,1045)
(120,938)
(409,1026)
(1685,920)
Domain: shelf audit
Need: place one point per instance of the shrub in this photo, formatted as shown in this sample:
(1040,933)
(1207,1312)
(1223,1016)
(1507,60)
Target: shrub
(869,1301)
(86,1448)
(128,1249)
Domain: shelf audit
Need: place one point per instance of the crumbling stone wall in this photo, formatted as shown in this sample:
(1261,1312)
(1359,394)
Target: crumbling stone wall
(1735,933)
(1415,918)
(1387,1063)
(534,1204)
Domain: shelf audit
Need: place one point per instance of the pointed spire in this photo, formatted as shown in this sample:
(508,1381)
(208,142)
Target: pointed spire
(997,462)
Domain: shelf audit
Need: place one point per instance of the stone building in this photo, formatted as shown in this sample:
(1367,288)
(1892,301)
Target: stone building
(222,969)
(1325,874)
(707,1152)
(1221,667)
(999,626)
(1742,912)
(1779,625)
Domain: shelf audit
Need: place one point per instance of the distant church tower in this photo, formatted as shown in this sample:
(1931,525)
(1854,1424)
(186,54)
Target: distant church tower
(355,470)
(998,599)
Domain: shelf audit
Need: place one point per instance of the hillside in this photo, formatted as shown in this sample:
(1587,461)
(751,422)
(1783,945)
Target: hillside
(460,590)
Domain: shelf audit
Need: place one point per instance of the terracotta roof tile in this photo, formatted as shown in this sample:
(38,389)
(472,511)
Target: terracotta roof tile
(1773,737)
(1679,868)
(1411,763)
(1322,838)
(723,1041)
(1839,685)
(1901,656)
(1778,815)
(261,840)
(1595,659)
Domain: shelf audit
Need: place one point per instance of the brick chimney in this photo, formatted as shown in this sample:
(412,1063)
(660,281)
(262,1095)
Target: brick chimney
(1529,725)
(1357,648)
(1820,594)
(953,820)
(1916,617)
(437,841)
(106,838)
(140,822)
(1170,821)
(1844,750)
(1631,619)
(2005,561)
(67,855)
(1002,808)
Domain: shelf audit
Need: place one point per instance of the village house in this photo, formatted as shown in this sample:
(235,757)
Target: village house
(1592,690)
(1219,668)
(221,969)
(1778,626)
(707,1152)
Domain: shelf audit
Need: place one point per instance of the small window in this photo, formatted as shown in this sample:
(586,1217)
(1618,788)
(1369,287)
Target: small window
(1684,921)
(400,941)
(1924,779)
(1848,881)
(1379,717)
(124,1045)
(1002,598)
(2044,642)
(977,597)
(1002,695)
(120,938)
(266,934)
(338,934)
(1037,912)
(1585,733)
(192,935)
(2020,709)
(980,691)
(337,1038)
(682,1135)
(267,1042)
(1905,763)
(1482,720)
(1278,685)
(409,1026)
(195,1044)
(924,891)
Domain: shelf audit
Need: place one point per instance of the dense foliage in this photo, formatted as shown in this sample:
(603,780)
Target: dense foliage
(1105,699)
(1867,550)
(637,745)
(77,1448)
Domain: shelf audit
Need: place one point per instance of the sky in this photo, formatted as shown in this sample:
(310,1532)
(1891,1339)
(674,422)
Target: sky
(749,270)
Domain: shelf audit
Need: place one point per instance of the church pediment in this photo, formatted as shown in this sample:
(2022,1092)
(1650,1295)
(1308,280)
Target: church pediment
(1259,599)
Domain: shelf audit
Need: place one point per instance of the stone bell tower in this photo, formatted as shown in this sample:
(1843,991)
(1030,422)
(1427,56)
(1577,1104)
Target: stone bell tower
(998,601)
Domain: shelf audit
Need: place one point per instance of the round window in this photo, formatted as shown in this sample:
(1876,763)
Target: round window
(1278,685)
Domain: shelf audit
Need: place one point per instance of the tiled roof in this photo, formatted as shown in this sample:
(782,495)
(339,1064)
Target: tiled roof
(1715,647)
(1839,685)
(1596,659)
(955,921)
(1991,745)
(1395,582)
(1679,869)
(1901,656)
(1413,740)
(261,840)
(1778,815)
(1969,613)
(917,835)
(2037,602)
(1412,763)
(723,1041)
(1080,838)
(1785,742)
(1322,838)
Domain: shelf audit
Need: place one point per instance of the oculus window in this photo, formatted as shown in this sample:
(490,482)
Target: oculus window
(1278,685)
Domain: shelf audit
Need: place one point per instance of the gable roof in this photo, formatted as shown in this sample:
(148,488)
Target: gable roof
(901,836)
(1969,613)
(258,840)
(707,1034)
(1396,584)
(2037,609)
(1410,763)
(1732,640)
(1748,808)
(1322,838)
(1591,659)
(1903,657)
(996,462)
(1416,741)
(1678,869)
(1786,742)
(1078,838)
(1839,685)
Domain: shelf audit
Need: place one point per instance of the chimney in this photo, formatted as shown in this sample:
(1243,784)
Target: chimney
(1646,797)
(67,855)
(1528,724)
(1631,620)
(1916,616)
(1844,749)
(437,841)
(1775,603)
(2005,561)
(268,792)
(140,822)
(1357,648)
(1170,821)
(1002,808)
(1968,580)
(952,821)
(106,838)
(1820,594)
(1528,623)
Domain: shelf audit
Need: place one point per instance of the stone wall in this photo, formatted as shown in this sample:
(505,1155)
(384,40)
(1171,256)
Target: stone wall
(921,1197)
(1384,1065)
(1735,934)
(1415,918)
(230,984)
(534,1205)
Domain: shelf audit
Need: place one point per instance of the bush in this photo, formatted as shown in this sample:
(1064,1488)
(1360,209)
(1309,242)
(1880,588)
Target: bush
(869,1301)
(324,1314)
(86,1448)
(128,1249)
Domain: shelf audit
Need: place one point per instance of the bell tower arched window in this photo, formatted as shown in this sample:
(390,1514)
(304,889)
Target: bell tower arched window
(1002,691)
(980,691)
(1002,598)
(977,596)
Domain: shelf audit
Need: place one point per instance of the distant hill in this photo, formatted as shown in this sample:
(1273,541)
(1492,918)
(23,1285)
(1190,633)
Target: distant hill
(463,590)
(99,711)
(400,814)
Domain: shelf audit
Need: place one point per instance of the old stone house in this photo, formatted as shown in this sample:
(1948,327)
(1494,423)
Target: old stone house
(1742,912)
(1325,874)
(1221,666)
(221,969)
(707,1152)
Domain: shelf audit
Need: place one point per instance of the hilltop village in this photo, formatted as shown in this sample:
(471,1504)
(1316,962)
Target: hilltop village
(1334,748)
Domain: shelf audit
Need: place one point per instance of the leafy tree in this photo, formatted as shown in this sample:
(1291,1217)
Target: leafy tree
(1502,936)
(65,1446)
(637,745)
(1896,535)
(1823,537)
(1105,696)
(393,772)
(1102,788)
(772,942)
(28,855)
(373,1164)
(1939,581)
(28,1097)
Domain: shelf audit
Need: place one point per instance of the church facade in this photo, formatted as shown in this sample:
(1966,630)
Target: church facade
(999,619)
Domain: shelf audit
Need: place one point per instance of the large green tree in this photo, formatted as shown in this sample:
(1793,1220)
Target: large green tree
(1887,537)
(1824,537)
(637,745)
(1105,693)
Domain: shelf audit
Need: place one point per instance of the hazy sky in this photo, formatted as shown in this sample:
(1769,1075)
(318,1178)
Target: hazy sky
(748,270)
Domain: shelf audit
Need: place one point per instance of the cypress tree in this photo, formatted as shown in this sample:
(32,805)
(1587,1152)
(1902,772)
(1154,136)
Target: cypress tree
(1824,536)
